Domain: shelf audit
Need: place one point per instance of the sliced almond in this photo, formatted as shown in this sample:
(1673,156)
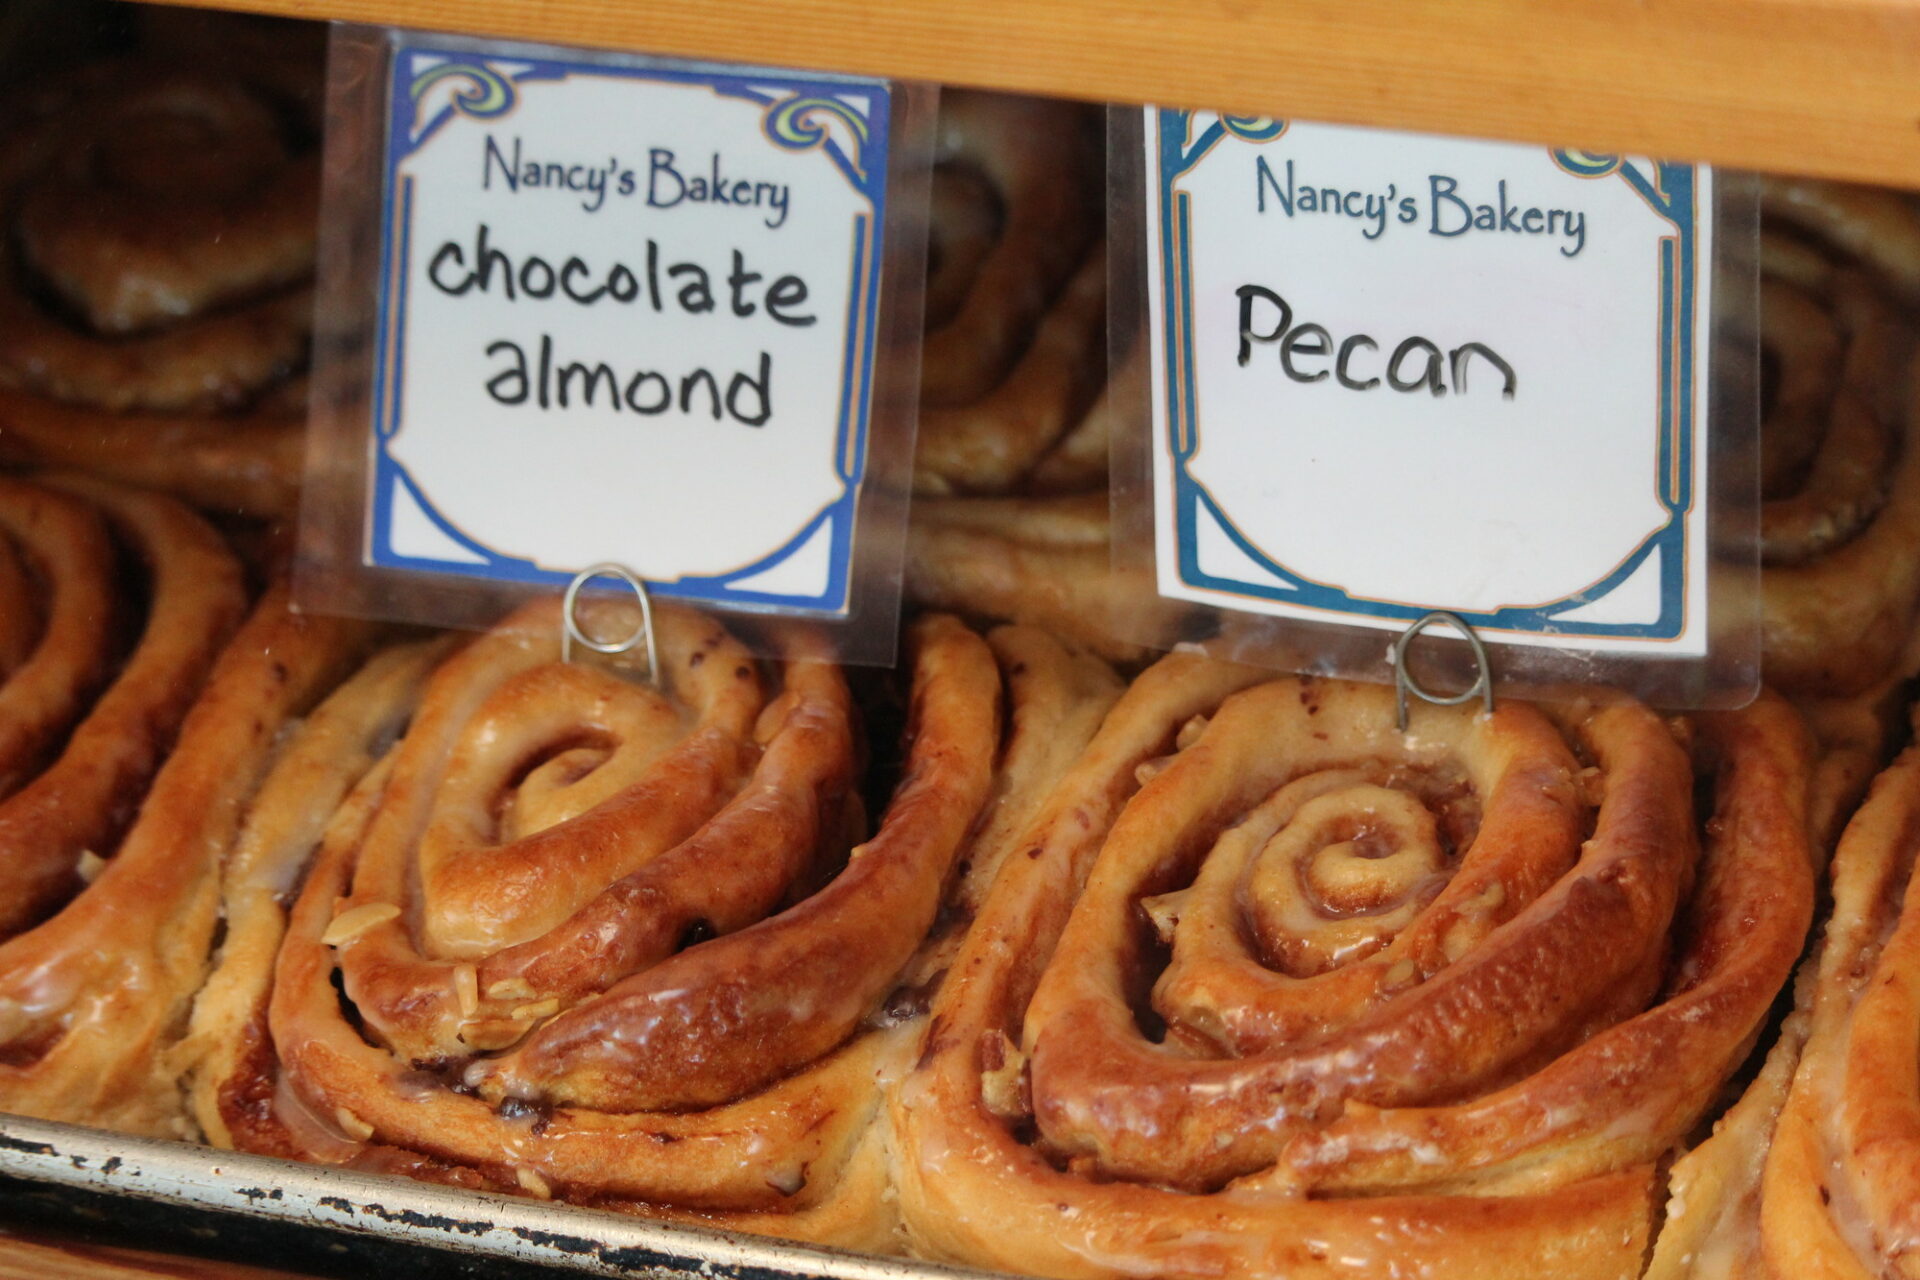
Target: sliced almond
(352,1125)
(1462,936)
(510,989)
(466,989)
(1190,733)
(490,1034)
(538,1009)
(1003,1083)
(354,921)
(533,1184)
(1164,911)
(1147,770)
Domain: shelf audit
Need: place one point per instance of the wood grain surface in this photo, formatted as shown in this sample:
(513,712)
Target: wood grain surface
(1829,87)
(32,1255)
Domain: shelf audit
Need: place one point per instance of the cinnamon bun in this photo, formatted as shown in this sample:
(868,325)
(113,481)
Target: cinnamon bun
(1016,211)
(631,945)
(129,733)
(1277,990)
(1832,1194)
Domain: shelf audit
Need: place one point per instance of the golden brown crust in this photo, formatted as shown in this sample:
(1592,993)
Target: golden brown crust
(1010,465)
(107,752)
(990,444)
(597,938)
(1470,1087)
(240,464)
(92,999)
(1839,1186)
(1711,1229)
(1042,562)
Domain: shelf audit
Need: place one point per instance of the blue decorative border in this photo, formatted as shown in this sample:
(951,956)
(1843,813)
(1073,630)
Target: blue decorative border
(794,106)
(1669,191)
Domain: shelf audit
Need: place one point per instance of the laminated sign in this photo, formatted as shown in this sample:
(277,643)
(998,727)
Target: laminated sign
(627,311)
(1393,374)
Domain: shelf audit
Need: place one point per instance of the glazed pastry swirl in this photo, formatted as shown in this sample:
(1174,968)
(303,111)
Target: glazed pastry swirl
(126,734)
(159,248)
(623,944)
(1838,1196)
(83,729)
(1283,992)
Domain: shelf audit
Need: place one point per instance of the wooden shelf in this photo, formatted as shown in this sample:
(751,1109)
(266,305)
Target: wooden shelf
(1828,87)
(37,1255)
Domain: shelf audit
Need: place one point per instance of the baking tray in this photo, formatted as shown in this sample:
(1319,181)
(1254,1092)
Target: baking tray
(361,1218)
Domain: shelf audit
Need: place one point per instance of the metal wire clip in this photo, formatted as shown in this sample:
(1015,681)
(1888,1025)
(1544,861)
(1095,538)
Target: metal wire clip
(571,631)
(1404,683)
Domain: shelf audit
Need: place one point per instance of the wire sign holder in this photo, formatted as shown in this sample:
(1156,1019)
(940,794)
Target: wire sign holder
(1404,682)
(571,632)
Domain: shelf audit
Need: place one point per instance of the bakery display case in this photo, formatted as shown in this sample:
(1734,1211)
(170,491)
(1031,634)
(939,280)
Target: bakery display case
(1057,947)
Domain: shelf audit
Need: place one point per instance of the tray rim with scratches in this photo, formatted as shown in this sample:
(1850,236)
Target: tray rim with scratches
(451,1219)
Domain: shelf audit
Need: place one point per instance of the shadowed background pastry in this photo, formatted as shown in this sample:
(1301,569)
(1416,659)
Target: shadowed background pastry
(1839,524)
(1839,472)
(155,279)
(1009,516)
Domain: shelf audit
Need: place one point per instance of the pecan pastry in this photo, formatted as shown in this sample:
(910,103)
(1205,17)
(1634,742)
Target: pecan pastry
(127,738)
(1280,991)
(629,945)
(155,281)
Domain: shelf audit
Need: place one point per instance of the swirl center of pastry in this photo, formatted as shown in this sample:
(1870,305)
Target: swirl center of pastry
(1342,878)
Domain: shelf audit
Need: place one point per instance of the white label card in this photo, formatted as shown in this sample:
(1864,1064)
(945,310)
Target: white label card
(1397,373)
(627,313)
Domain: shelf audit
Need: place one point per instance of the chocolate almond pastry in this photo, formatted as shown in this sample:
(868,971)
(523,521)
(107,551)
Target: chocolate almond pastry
(508,922)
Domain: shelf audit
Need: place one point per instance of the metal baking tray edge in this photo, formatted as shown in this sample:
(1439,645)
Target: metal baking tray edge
(423,1214)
